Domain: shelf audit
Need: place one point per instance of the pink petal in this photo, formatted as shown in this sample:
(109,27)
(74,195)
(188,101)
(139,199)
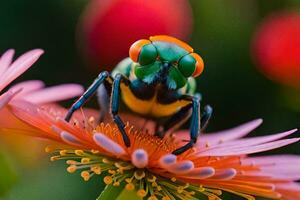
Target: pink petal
(19,67)
(7,96)
(272,160)
(241,150)
(231,134)
(28,86)
(289,186)
(279,166)
(54,94)
(221,136)
(254,140)
(6,60)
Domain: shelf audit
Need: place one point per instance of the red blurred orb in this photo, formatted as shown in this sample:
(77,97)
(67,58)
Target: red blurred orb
(109,27)
(276,48)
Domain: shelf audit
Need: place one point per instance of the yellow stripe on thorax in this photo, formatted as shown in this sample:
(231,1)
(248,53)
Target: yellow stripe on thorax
(150,107)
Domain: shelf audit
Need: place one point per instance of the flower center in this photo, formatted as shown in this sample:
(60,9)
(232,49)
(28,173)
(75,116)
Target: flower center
(131,177)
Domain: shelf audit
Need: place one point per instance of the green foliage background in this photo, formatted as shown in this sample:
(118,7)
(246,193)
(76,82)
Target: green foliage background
(231,84)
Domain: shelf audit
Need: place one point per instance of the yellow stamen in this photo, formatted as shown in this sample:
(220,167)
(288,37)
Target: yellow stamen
(139,174)
(180,189)
(54,158)
(79,152)
(71,162)
(129,186)
(96,170)
(63,152)
(111,171)
(154,184)
(152,198)
(151,178)
(85,175)
(141,193)
(129,180)
(107,180)
(117,183)
(71,169)
(85,160)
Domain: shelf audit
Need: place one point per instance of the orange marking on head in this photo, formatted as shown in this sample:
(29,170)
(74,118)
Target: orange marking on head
(135,49)
(165,38)
(199,65)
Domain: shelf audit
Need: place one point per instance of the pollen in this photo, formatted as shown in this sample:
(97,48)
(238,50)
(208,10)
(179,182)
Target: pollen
(79,152)
(141,193)
(85,175)
(71,169)
(63,152)
(108,180)
(129,186)
(96,170)
(139,174)
(152,198)
(85,160)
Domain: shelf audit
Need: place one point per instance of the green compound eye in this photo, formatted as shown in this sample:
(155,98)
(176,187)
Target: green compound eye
(148,54)
(187,65)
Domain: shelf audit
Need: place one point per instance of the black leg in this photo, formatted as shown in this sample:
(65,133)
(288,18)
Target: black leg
(115,100)
(175,121)
(206,115)
(194,128)
(179,118)
(87,94)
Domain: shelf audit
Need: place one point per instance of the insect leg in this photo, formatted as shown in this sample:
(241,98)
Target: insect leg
(115,100)
(194,128)
(206,115)
(177,120)
(87,94)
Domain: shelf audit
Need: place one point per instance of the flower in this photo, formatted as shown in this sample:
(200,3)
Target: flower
(10,71)
(219,161)
(33,91)
(103,23)
(276,47)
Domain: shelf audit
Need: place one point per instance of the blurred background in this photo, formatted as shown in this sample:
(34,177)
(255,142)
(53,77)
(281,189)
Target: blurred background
(251,51)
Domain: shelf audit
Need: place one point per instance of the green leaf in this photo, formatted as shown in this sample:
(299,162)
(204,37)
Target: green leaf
(110,192)
(126,194)
(118,193)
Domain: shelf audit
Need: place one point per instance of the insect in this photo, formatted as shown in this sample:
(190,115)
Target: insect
(156,81)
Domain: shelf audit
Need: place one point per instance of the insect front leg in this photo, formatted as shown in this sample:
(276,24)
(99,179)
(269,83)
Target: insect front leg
(87,94)
(115,101)
(195,125)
